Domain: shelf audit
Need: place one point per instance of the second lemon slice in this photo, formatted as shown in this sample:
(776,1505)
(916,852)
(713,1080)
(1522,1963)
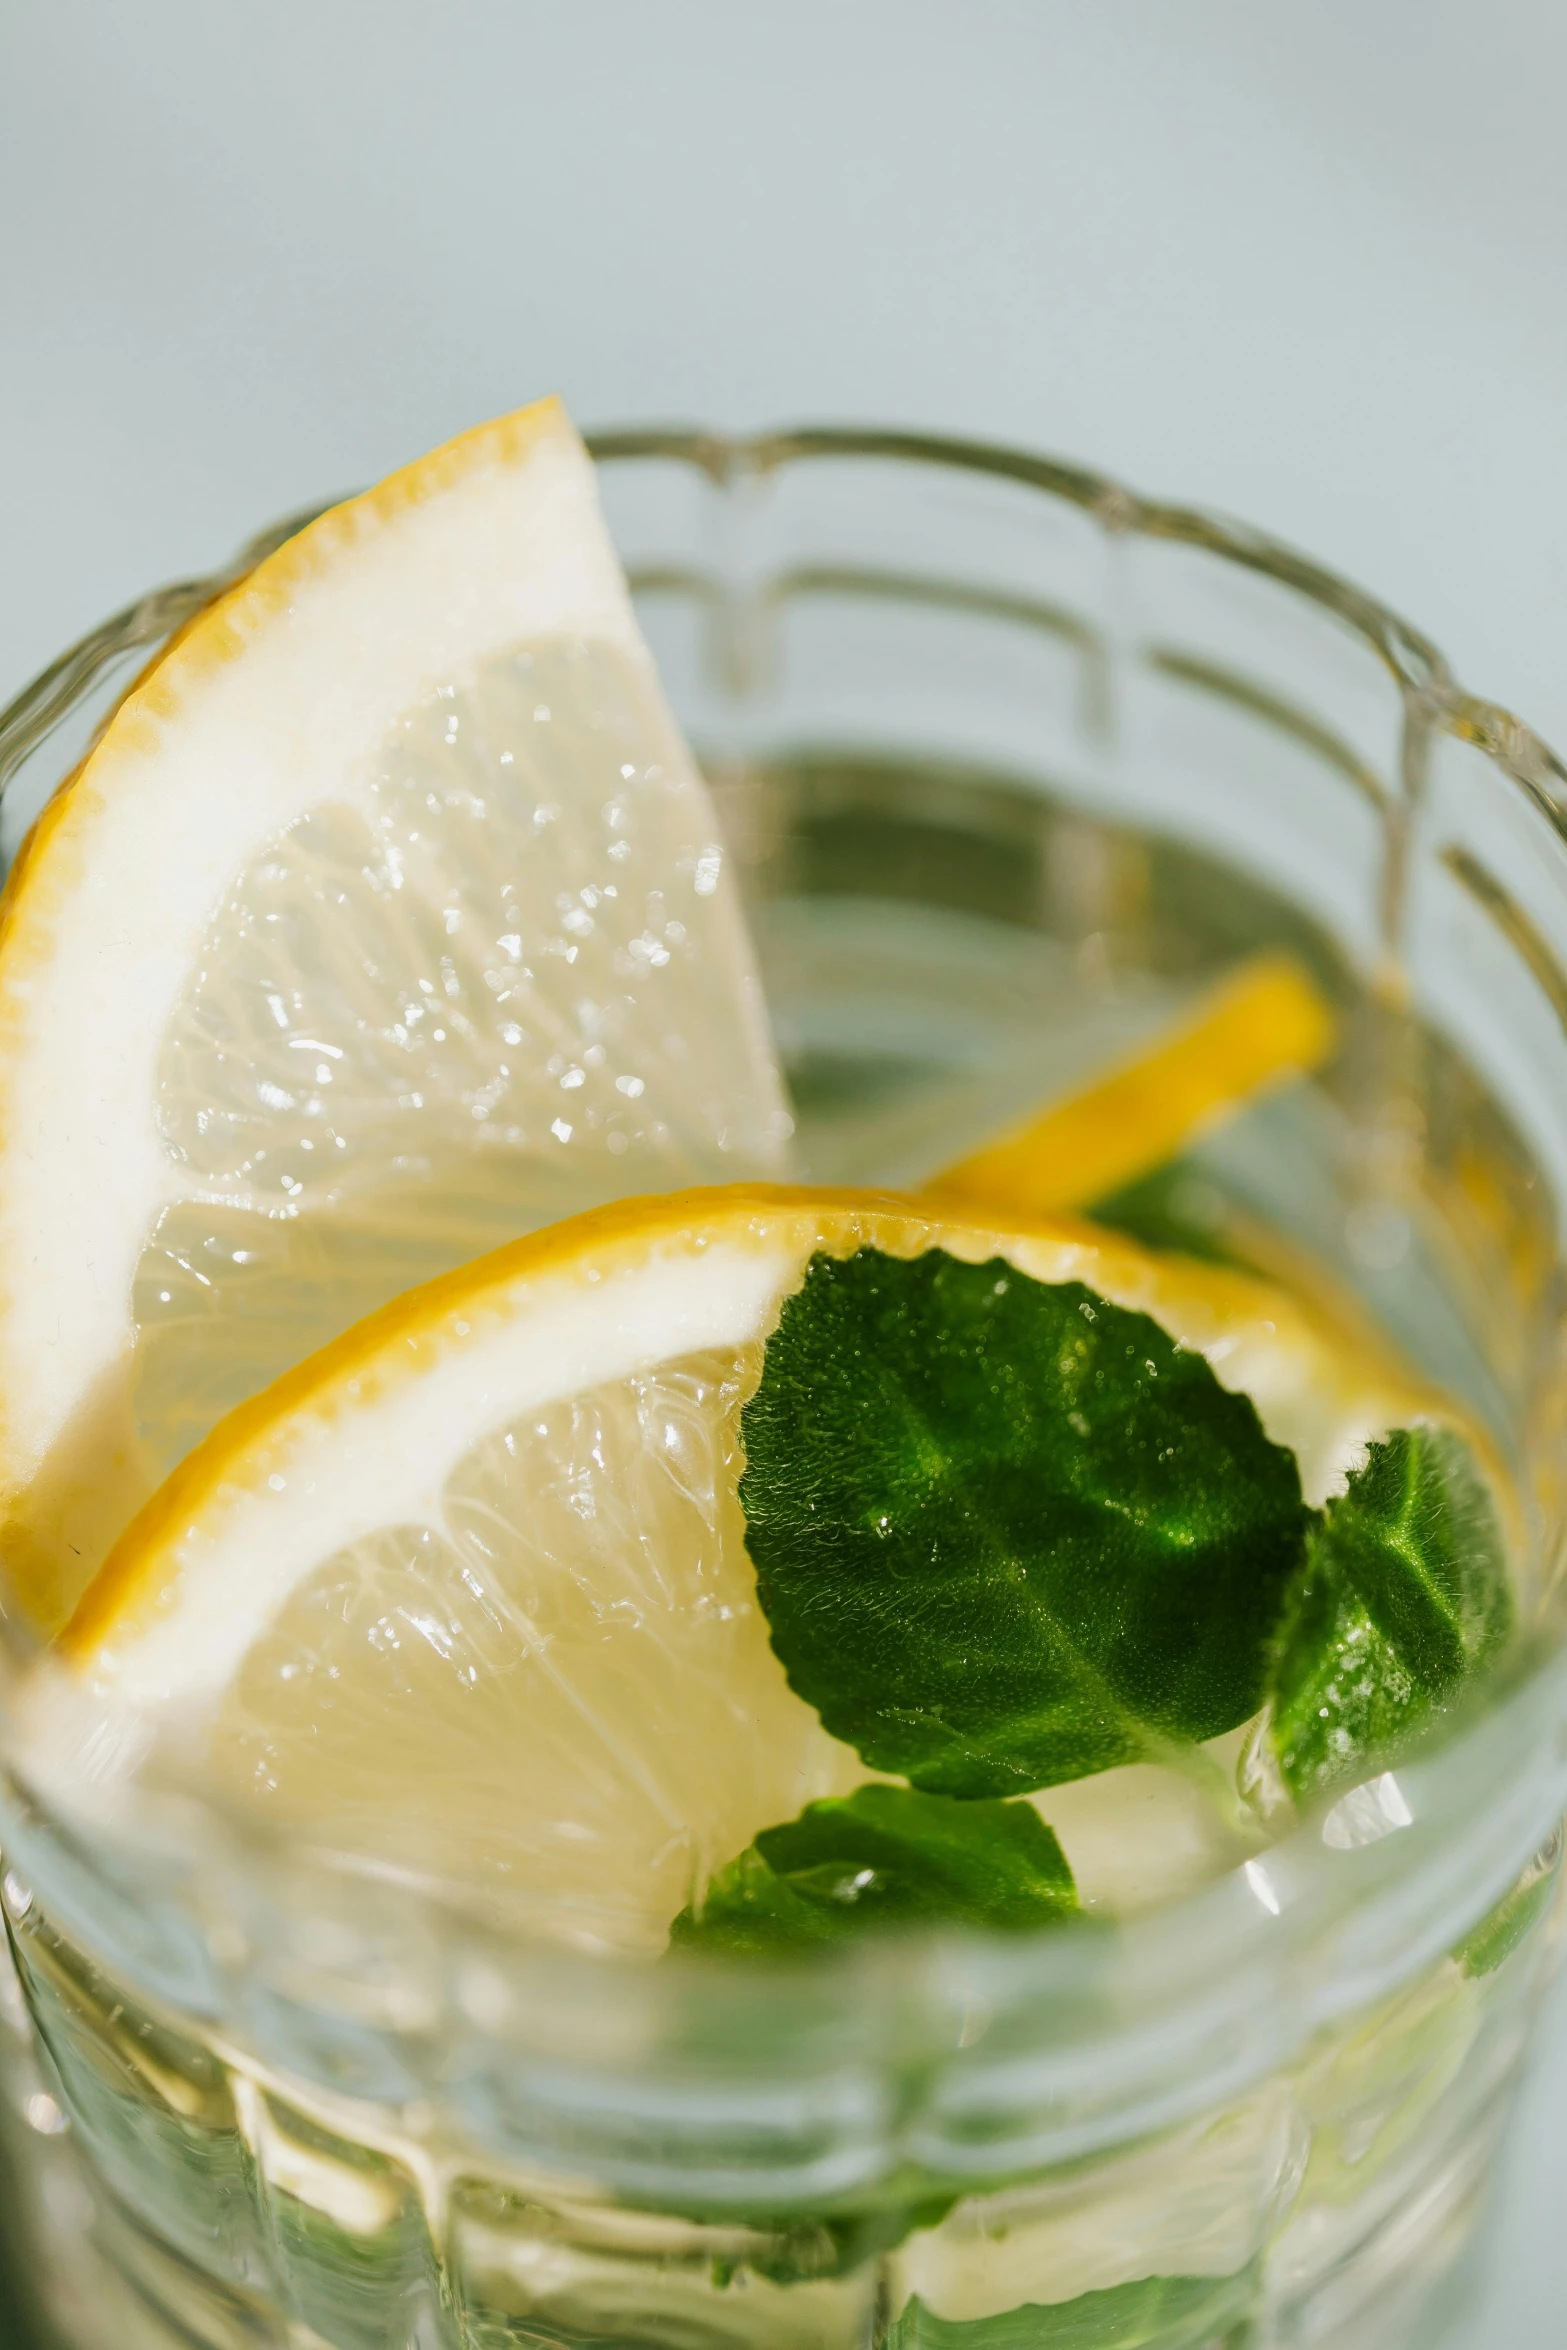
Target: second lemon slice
(468,1593)
(388,920)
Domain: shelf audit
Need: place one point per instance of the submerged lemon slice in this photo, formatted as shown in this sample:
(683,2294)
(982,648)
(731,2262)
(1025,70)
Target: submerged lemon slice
(467,1594)
(1264,1023)
(387,920)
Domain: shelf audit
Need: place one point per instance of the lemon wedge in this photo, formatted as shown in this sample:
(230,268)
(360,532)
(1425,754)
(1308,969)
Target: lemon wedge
(467,1593)
(387,920)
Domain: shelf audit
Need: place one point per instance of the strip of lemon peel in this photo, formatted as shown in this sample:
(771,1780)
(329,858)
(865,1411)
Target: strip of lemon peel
(1263,1024)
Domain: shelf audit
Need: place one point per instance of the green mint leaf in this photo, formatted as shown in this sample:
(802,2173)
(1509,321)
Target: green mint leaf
(1006,1533)
(836,2243)
(1155,2313)
(1401,1595)
(1515,1916)
(882,1856)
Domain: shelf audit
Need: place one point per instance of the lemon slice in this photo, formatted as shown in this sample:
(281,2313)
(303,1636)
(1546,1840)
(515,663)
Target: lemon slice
(387,920)
(467,1594)
(1264,1023)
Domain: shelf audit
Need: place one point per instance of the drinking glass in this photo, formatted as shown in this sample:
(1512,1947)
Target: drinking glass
(1009,760)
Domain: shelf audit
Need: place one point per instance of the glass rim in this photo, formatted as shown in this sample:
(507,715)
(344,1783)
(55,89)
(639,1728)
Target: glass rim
(1414,662)
(1316,1926)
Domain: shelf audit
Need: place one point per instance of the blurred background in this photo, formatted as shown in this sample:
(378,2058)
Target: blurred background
(1304,264)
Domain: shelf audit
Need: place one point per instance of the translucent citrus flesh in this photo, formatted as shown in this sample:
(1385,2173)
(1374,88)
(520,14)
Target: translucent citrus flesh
(388,921)
(499,994)
(565,1694)
(468,1596)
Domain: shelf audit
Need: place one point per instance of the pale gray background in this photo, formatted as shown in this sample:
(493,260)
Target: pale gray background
(1302,259)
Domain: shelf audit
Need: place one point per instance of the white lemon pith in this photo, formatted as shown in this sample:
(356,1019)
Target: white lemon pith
(468,1592)
(388,920)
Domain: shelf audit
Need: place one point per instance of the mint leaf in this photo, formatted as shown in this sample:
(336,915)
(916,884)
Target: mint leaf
(1005,1533)
(834,2244)
(1515,1916)
(1401,1595)
(882,1856)
(1155,2313)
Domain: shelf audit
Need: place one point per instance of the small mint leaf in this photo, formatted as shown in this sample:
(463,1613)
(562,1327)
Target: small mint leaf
(834,2244)
(1492,1942)
(1006,1533)
(1401,1596)
(882,1856)
(1155,2313)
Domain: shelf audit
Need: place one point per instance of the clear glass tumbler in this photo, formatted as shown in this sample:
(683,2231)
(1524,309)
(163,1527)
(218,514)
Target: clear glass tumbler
(1009,758)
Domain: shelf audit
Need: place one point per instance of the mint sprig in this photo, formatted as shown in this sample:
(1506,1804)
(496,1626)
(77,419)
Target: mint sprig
(1401,1594)
(1006,1533)
(882,1856)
